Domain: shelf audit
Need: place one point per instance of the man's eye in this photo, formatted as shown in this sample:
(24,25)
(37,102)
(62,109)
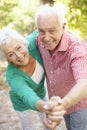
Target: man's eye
(52,31)
(41,32)
(19,48)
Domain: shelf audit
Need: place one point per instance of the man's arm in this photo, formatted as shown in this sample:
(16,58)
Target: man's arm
(76,94)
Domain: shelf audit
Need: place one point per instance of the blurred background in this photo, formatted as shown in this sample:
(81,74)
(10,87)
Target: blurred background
(19,14)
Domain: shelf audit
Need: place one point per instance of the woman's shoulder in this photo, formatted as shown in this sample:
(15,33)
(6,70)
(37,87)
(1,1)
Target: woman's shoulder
(31,38)
(10,71)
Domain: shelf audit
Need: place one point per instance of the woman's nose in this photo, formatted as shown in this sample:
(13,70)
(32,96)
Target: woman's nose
(18,54)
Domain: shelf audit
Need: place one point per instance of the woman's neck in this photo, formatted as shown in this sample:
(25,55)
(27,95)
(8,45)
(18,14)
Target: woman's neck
(30,67)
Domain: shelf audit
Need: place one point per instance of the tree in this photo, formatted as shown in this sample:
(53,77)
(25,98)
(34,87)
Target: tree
(47,1)
(6,12)
(18,14)
(25,14)
(77,15)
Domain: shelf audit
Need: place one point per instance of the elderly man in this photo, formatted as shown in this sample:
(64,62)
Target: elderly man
(65,61)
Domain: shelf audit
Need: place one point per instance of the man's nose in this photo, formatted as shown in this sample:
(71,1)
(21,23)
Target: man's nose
(47,36)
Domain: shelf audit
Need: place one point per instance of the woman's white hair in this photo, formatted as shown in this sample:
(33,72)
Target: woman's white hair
(7,34)
(46,10)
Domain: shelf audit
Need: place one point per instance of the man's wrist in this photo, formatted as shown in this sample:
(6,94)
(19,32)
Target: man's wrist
(66,103)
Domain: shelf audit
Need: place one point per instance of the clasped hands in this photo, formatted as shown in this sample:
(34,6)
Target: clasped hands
(54,111)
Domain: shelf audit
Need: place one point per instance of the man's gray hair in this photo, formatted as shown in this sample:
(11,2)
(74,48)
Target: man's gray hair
(46,10)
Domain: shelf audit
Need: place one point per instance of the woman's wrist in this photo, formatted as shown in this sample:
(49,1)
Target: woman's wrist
(40,105)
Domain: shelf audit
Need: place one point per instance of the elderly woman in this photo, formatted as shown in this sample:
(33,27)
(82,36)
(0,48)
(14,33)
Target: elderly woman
(25,75)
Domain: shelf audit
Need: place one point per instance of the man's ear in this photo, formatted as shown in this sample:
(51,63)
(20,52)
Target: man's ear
(64,25)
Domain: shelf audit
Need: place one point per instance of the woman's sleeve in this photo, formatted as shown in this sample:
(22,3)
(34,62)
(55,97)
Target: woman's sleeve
(25,92)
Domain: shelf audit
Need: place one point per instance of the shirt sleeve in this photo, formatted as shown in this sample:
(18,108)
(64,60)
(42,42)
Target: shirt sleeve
(23,90)
(79,61)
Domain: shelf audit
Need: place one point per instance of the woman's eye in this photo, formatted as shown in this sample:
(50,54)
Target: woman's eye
(10,55)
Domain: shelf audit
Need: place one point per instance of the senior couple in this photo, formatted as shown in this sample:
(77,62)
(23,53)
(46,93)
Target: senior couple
(49,51)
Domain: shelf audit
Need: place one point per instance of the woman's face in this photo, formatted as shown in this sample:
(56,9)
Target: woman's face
(16,53)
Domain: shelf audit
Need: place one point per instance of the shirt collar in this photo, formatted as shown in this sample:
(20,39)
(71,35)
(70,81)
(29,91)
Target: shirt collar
(64,42)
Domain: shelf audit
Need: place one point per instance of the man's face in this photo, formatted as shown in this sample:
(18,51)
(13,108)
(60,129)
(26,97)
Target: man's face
(50,32)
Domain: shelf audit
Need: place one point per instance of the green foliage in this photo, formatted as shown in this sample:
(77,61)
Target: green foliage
(48,1)
(18,14)
(6,8)
(76,15)
(25,12)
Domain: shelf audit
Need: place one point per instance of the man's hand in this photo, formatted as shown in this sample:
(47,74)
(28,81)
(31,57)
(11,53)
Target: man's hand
(53,117)
(57,112)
